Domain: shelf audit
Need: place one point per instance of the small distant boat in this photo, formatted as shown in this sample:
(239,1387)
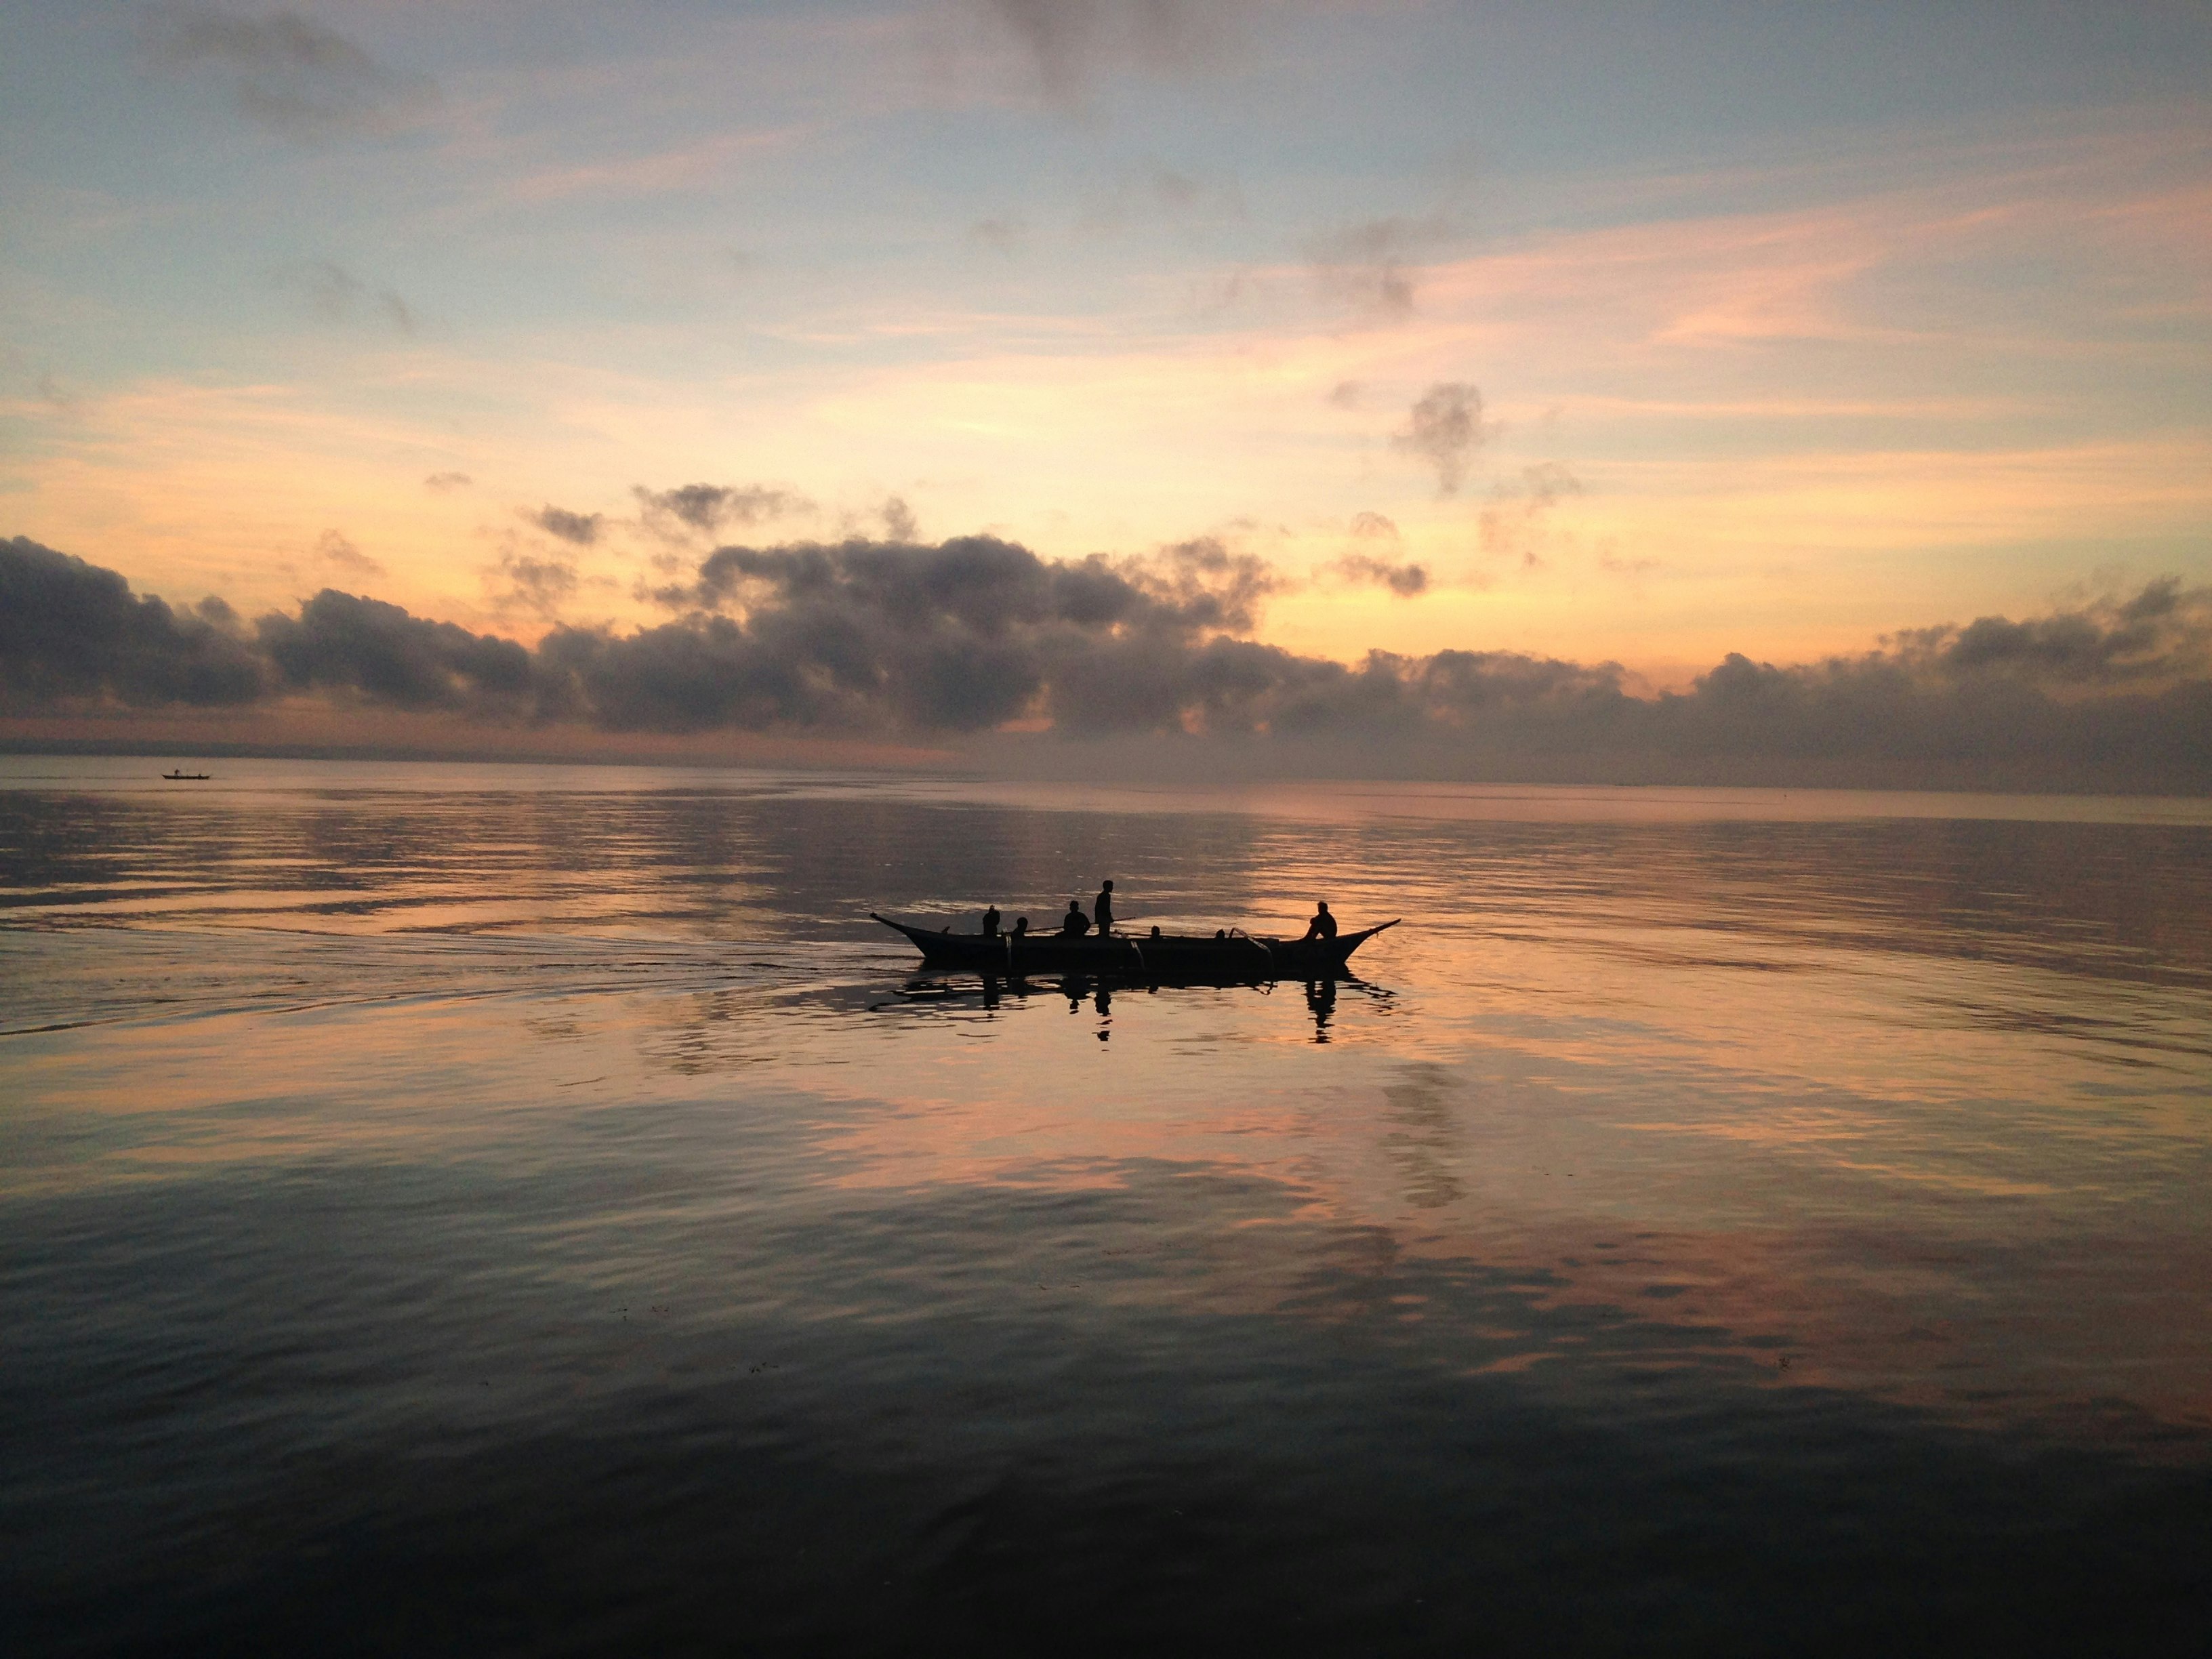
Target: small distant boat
(186,777)
(1229,958)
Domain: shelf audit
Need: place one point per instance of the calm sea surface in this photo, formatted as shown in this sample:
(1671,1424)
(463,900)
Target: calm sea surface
(455,1209)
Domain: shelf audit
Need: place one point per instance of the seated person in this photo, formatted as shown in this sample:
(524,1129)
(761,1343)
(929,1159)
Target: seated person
(1155,930)
(1074,924)
(1021,927)
(1323,924)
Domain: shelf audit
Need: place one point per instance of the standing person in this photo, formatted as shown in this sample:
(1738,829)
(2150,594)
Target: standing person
(1101,912)
(991,922)
(1323,924)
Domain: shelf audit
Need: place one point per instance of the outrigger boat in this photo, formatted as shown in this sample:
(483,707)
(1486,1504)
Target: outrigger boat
(1235,958)
(174,777)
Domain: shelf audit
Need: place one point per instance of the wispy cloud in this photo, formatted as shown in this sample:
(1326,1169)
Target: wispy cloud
(1406,580)
(286,73)
(1513,522)
(1444,428)
(335,295)
(337,550)
(1157,194)
(1369,266)
(525,581)
(706,509)
(1071,44)
(684,168)
(1004,236)
(582,529)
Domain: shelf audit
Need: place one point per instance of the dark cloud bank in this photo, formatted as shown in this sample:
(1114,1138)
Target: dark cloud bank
(1138,664)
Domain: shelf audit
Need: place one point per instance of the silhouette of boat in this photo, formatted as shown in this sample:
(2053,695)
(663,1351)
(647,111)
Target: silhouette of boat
(1196,959)
(174,777)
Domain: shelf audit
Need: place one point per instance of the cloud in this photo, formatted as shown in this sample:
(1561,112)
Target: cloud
(963,636)
(1512,522)
(972,633)
(1610,560)
(1445,428)
(1406,580)
(333,548)
(685,168)
(1072,43)
(580,528)
(443,483)
(288,74)
(708,508)
(1178,193)
(376,652)
(899,522)
(534,584)
(1344,394)
(1157,194)
(1003,237)
(1365,265)
(72,632)
(336,296)
(2162,633)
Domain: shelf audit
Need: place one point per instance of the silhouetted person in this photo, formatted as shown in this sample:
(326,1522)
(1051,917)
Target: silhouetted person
(1155,930)
(991,922)
(1021,927)
(1323,924)
(1074,924)
(1103,910)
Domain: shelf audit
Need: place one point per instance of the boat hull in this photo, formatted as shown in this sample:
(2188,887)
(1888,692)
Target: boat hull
(1237,959)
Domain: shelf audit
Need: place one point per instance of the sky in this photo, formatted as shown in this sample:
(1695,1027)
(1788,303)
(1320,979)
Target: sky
(1617,334)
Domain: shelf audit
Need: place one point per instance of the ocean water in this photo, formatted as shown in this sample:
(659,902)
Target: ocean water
(507,1210)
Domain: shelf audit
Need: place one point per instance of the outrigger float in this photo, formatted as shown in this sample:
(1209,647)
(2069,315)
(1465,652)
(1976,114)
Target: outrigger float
(1232,959)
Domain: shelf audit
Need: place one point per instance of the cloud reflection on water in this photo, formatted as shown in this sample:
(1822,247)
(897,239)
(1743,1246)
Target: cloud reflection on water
(1914,1104)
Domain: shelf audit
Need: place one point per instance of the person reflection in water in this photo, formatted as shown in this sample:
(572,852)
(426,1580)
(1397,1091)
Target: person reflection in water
(1074,924)
(1323,924)
(1320,1000)
(991,922)
(1103,910)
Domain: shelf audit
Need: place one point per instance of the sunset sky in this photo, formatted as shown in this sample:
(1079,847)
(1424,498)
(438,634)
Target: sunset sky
(1647,332)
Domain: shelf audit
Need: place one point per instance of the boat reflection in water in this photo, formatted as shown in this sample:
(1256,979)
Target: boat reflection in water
(990,992)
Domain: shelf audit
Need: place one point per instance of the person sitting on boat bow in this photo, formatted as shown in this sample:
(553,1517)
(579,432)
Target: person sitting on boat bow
(1323,924)
(1074,924)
